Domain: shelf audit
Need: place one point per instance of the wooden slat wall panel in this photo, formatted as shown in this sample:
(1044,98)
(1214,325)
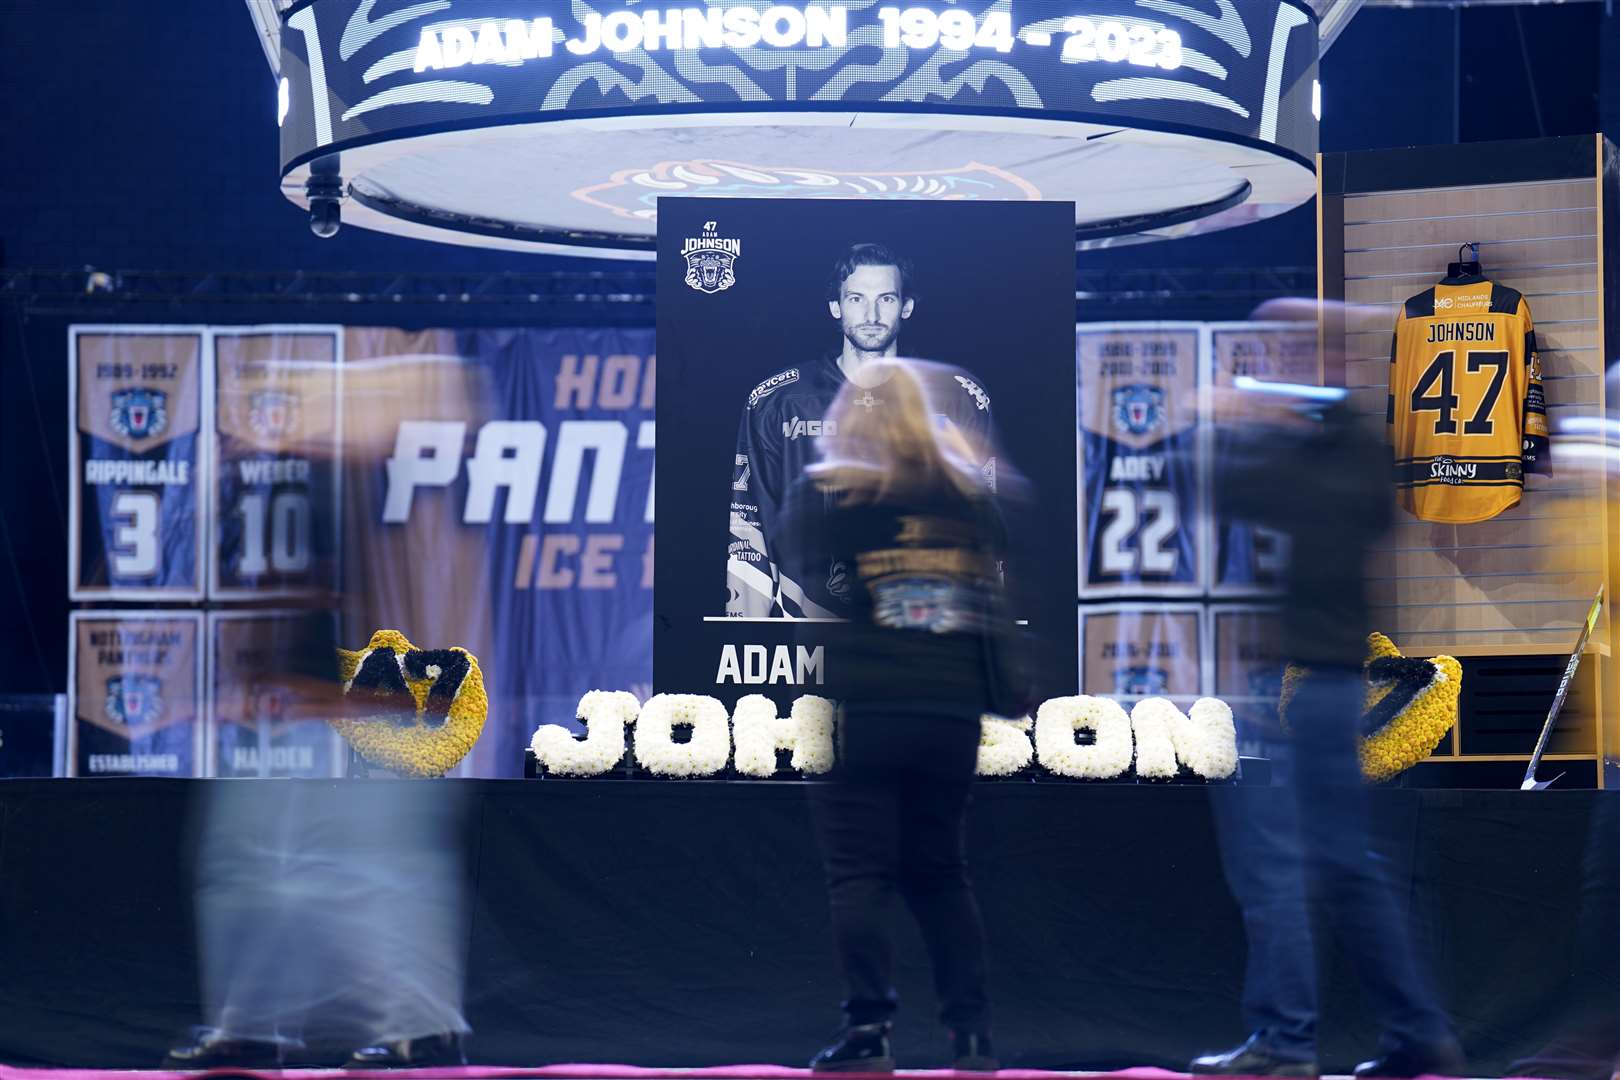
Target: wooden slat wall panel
(1494,229)
(1503,257)
(1481,563)
(1485,616)
(1450,639)
(1494,591)
(1523,578)
(1434,203)
(1534,282)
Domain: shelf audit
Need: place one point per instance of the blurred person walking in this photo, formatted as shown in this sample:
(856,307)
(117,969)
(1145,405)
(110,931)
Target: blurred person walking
(898,512)
(1301,461)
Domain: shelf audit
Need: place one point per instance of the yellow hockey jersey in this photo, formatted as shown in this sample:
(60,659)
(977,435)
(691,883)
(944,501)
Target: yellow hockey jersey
(1466,412)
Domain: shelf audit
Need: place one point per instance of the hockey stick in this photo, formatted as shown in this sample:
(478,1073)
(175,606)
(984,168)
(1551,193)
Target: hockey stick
(1530,783)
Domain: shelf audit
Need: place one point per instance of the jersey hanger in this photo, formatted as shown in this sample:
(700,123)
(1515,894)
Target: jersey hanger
(1468,267)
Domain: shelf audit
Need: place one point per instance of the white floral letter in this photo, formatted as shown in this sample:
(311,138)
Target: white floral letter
(1151,723)
(605,714)
(1060,718)
(707,752)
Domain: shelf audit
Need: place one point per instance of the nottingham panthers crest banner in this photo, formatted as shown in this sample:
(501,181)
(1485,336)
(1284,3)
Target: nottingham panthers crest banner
(498,496)
(135,694)
(768,309)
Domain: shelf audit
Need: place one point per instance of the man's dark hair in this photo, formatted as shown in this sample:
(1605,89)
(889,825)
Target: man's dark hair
(869,255)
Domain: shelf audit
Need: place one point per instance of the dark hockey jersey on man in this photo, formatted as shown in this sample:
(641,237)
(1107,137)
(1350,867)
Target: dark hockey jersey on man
(776,439)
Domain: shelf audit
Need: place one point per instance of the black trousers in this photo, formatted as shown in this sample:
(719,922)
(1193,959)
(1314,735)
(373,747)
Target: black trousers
(890,821)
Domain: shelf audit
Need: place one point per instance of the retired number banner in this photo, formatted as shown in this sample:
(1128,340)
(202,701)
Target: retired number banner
(275,521)
(1249,661)
(135,694)
(1251,558)
(135,503)
(1140,503)
(260,721)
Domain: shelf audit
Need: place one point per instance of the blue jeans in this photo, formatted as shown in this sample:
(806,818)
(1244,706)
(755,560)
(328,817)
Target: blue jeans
(1303,845)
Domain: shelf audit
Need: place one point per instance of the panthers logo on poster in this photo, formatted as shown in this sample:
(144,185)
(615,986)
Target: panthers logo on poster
(1139,680)
(273,414)
(139,413)
(134,700)
(711,260)
(1139,409)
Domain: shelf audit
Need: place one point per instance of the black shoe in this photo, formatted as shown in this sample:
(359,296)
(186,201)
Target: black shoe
(1253,1058)
(428,1050)
(1444,1059)
(972,1053)
(861,1048)
(211,1048)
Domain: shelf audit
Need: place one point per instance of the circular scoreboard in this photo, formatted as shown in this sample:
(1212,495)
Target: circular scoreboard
(557,125)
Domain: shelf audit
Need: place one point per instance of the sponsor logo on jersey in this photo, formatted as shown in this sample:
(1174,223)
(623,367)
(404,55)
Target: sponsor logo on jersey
(795,429)
(134,700)
(1139,680)
(711,261)
(1468,302)
(772,385)
(272,413)
(974,391)
(1450,471)
(1139,409)
(742,549)
(867,401)
(139,413)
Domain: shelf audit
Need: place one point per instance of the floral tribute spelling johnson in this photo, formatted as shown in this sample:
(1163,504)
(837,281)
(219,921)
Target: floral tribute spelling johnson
(1080,738)
(415,712)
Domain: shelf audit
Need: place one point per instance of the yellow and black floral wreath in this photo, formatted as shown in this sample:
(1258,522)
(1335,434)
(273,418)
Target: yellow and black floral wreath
(1410,706)
(414,711)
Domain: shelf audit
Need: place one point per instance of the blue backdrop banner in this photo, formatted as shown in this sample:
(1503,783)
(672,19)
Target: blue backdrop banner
(498,495)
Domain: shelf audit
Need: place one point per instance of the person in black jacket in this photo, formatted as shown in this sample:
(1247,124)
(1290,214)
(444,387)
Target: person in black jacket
(900,504)
(1303,462)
